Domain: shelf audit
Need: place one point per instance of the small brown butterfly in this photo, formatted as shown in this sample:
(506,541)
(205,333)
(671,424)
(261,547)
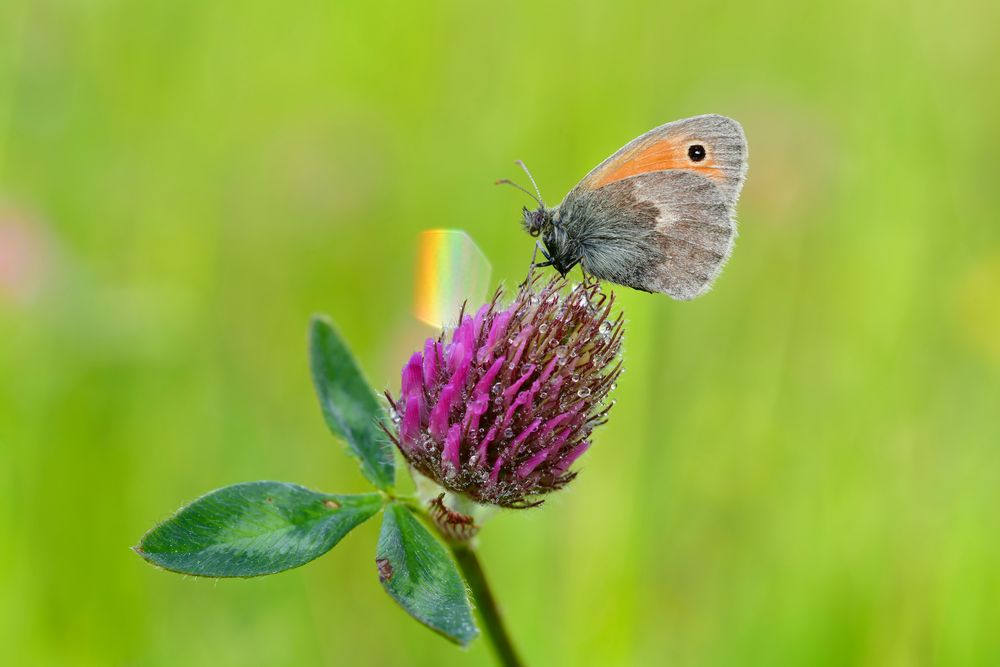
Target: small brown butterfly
(657,216)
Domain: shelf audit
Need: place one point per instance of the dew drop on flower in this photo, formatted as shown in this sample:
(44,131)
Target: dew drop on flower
(543,327)
(508,433)
(583,392)
(562,351)
(496,388)
(575,377)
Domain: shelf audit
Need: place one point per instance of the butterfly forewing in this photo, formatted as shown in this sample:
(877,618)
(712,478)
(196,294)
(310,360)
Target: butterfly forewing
(721,158)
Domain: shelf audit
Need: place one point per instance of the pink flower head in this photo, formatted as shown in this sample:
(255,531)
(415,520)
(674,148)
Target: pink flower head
(499,407)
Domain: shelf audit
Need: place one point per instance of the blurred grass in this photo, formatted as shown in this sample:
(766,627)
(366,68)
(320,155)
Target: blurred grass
(803,467)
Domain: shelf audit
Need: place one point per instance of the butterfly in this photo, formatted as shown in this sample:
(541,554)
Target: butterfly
(657,216)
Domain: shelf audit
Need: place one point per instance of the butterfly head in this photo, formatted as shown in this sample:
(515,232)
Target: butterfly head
(537,221)
(558,249)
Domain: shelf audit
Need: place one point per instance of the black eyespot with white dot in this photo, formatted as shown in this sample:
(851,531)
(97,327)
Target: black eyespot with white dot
(696,152)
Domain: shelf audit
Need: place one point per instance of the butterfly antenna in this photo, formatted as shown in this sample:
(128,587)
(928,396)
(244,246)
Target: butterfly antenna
(507,181)
(531,178)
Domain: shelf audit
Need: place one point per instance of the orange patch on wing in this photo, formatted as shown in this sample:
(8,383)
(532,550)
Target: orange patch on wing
(661,156)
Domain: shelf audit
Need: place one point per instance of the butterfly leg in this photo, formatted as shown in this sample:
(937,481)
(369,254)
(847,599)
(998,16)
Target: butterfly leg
(531,265)
(589,282)
(540,248)
(536,265)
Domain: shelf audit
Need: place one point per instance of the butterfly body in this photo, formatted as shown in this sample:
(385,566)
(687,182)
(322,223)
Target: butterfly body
(658,215)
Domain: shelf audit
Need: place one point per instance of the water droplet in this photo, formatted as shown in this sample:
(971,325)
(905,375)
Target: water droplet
(496,388)
(562,351)
(605,328)
(575,377)
(614,385)
(543,327)
(511,366)
(508,433)
(543,395)
(583,392)
(498,401)
(482,431)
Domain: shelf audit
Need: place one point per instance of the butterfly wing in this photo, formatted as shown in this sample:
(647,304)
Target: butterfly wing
(663,231)
(668,147)
(653,218)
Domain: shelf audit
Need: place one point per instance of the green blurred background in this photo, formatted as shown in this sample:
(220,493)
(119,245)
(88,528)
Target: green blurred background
(803,467)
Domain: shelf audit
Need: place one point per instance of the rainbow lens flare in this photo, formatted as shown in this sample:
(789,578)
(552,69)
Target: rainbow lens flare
(451,269)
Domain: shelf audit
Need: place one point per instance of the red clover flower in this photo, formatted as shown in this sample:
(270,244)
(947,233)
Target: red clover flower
(500,407)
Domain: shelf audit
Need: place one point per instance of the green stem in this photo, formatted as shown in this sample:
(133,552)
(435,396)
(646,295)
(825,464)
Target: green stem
(486,604)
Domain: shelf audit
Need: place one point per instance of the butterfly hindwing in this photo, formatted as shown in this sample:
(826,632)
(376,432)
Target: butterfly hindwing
(695,230)
(662,231)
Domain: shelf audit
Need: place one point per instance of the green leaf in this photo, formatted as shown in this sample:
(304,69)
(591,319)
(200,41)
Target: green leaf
(416,570)
(348,403)
(254,528)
